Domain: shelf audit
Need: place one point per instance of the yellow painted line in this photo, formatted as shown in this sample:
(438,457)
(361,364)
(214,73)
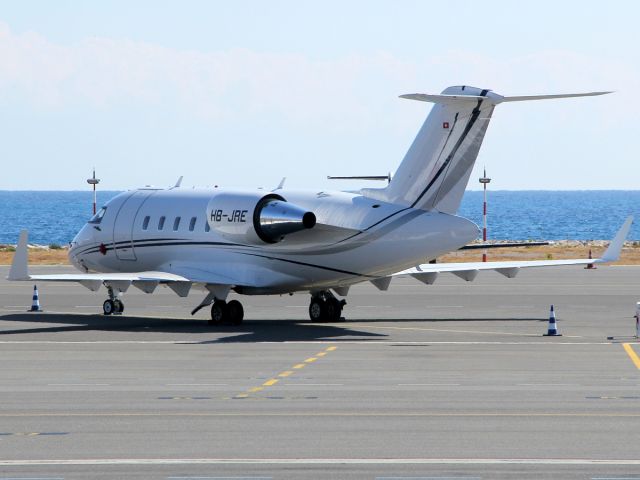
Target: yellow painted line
(268,383)
(321,354)
(255,389)
(241,395)
(299,366)
(285,374)
(331,349)
(634,357)
(309,360)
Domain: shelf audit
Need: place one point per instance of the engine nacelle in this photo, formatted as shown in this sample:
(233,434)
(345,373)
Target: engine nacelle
(256,218)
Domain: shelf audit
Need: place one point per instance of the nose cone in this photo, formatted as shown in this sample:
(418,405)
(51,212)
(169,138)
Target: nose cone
(80,242)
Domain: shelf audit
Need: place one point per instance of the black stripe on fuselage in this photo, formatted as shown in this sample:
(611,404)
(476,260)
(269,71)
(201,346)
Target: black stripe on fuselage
(322,267)
(472,120)
(163,244)
(122,242)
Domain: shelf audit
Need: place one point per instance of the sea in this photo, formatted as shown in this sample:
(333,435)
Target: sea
(55,217)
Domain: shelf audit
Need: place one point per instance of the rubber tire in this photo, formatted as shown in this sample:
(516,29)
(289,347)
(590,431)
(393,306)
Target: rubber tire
(219,312)
(235,312)
(318,310)
(108,307)
(119,306)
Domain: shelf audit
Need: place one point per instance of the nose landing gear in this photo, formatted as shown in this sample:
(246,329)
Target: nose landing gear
(325,307)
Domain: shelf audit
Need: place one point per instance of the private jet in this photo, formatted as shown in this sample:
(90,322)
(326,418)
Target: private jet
(257,242)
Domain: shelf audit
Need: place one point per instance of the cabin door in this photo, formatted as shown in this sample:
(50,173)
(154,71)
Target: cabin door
(126,224)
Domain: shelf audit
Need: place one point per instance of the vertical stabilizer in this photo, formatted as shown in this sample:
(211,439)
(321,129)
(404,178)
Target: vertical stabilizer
(435,171)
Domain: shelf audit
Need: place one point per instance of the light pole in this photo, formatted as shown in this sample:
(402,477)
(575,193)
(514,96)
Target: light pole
(94,181)
(484,180)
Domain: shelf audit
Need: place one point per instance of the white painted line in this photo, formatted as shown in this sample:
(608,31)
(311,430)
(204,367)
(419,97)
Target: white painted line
(372,306)
(77,384)
(31,478)
(541,343)
(428,384)
(314,384)
(548,384)
(321,461)
(475,332)
(218,478)
(196,384)
(428,478)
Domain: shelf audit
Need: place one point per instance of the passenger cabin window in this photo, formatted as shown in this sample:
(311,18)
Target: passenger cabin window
(206,226)
(176,224)
(192,224)
(161,223)
(97,218)
(145,222)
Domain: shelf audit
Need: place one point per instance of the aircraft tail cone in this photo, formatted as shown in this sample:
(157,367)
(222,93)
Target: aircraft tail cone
(590,266)
(35,305)
(552,331)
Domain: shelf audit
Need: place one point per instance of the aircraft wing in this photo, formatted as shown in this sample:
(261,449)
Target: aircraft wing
(146,281)
(427,273)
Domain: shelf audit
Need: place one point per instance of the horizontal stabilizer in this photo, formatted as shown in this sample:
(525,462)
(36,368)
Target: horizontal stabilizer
(492,98)
(524,98)
(448,99)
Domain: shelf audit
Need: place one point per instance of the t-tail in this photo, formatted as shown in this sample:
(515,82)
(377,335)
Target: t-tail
(435,171)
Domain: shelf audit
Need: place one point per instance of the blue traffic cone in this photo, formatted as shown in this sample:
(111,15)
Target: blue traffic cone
(552,331)
(35,305)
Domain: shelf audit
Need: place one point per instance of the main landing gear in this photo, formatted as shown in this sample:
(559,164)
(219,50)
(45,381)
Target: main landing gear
(226,313)
(324,307)
(113,305)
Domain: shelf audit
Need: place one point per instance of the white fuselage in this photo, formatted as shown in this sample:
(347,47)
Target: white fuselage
(356,238)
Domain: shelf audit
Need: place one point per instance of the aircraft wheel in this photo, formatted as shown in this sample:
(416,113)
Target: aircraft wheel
(118,305)
(219,312)
(108,307)
(235,312)
(318,310)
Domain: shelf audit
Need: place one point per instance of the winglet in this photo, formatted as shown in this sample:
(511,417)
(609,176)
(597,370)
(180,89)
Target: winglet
(612,253)
(280,185)
(178,183)
(20,267)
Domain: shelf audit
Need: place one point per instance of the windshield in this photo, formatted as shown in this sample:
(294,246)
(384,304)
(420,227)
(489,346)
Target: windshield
(97,218)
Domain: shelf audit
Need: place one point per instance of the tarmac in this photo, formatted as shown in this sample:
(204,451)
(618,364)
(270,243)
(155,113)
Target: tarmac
(452,381)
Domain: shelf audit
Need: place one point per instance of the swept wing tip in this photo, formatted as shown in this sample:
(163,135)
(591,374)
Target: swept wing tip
(614,249)
(19,266)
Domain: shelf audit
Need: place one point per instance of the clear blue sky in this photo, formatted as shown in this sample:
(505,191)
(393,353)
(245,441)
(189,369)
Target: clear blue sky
(244,93)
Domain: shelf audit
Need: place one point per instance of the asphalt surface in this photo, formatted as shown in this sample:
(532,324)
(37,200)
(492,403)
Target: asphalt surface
(449,381)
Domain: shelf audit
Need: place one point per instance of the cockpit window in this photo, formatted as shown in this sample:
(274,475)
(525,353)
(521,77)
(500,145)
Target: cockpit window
(97,218)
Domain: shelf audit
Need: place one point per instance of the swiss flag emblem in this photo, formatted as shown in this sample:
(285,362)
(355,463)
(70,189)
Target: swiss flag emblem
(445,124)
